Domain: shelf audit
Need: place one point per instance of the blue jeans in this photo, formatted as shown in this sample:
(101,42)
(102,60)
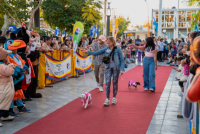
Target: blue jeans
(149,73)
(18,102)
(128,61)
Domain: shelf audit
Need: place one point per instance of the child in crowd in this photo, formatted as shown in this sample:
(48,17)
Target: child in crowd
(53,45)
(124,55)
(128,56)
(173,53)
(180,74)
(6,85)
(133,51)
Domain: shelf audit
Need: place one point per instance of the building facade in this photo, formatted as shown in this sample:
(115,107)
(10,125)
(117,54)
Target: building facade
(175,22)
(142,32)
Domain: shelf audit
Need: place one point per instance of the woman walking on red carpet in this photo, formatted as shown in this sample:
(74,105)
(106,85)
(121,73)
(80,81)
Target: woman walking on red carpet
(114,65)
(149,64)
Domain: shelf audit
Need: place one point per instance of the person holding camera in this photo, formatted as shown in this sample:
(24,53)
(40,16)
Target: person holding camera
(114,66)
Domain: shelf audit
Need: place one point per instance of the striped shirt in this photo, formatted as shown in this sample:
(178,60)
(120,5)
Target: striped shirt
(97,60)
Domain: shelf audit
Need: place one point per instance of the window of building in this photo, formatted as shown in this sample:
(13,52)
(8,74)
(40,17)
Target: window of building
(167,12)
(179,18)
(183,17)
(166,18)
(163,18)
(171,18)
(189,17)
(156,18)
(156,12)
(172,12)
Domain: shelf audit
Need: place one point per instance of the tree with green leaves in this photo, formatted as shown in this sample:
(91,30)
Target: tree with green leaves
(122,23)
(91,11)
(17,11)
(193,3)
(58,14)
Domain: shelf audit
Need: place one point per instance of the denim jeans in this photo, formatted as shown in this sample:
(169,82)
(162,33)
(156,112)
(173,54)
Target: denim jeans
(128,61)
(149,73)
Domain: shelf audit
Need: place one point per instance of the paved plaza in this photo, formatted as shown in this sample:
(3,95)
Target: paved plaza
(164,120)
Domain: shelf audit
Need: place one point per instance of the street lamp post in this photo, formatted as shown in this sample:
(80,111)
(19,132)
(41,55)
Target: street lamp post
(160,19)
(108,19)
(148,17)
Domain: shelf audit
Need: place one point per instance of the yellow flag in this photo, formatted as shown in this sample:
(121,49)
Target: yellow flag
(116,31)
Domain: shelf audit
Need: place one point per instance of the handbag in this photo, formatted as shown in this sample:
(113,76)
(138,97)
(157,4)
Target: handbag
(106,59)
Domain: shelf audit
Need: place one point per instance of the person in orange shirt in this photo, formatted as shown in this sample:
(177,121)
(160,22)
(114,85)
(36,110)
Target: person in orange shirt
(20,70)
(193,93)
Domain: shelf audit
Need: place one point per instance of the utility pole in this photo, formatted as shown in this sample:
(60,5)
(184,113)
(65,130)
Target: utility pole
(37,17)
(104,18)
(160,19)
(177,19)
(113,25)
(148,18)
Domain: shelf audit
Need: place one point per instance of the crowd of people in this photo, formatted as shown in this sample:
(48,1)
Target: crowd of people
(19,59)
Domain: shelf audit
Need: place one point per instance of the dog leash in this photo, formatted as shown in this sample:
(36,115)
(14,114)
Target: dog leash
(84,76)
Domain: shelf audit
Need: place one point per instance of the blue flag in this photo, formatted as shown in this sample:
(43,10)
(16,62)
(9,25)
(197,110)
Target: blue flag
(93,30)
(57,32)
(155,24)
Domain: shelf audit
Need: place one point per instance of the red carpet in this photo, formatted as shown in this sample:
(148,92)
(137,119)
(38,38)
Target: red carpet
(131,115)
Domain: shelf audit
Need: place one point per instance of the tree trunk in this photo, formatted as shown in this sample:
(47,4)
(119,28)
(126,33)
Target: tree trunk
(7,23)
(30,22)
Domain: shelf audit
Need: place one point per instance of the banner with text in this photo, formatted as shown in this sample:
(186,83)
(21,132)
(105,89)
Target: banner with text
(77,33)
(57,69)
(83,63)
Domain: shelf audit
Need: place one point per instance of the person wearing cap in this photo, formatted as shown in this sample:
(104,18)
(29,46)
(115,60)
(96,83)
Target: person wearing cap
(99,66)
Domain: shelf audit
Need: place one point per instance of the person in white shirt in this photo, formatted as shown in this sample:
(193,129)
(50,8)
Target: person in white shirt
(161,50)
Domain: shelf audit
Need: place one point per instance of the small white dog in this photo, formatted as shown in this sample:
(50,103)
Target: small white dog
(86,99)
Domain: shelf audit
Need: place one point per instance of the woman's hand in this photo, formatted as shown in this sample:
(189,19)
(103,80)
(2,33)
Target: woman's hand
(156,68)
(84,50)
(121,72)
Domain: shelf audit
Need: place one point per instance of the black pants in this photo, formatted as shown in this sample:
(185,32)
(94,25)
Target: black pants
(34,84)
(180,84)
(160,56)
(4,113)
(27,93)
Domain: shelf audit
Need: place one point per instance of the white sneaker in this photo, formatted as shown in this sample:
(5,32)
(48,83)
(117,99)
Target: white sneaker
(101,89)
(107,102)
(146,89)
(114,100)
(97,85)
(1,124)
(7,118)
(152,90)
(180,94)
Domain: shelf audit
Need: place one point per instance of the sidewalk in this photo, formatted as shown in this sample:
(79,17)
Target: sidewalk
(165,119)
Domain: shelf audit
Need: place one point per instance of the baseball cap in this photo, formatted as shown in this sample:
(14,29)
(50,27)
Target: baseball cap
(102,38)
